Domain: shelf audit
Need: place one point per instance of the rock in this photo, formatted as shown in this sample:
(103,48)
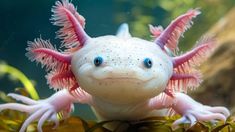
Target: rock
(218,87)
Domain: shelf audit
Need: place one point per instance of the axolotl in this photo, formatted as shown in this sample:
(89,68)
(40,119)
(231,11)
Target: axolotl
(121,77)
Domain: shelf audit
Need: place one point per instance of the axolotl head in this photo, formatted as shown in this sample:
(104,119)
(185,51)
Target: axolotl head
(122,68)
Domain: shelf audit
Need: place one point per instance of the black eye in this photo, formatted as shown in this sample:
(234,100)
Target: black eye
(98,61)
(148,63)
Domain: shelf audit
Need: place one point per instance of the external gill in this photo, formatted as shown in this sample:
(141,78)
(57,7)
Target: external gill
(74,37)
(170,36)
(185,74)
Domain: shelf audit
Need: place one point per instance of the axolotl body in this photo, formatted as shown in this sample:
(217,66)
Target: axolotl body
(121,77)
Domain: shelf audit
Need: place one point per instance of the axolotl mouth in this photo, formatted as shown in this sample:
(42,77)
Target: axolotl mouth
(123,89)
(109,73)
(121,79)
(125,79)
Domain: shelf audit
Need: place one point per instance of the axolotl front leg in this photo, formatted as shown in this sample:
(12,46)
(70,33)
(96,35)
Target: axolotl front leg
(47,109)
(190,110)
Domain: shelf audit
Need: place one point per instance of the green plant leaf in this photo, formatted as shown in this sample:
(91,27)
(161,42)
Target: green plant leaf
(17,74)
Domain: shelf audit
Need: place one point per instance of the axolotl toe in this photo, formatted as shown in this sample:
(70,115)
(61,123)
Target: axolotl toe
(121,77)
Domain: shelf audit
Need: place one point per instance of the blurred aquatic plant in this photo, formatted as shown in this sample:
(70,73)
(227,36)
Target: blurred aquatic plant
(152,124)
(140,13)
(18,75)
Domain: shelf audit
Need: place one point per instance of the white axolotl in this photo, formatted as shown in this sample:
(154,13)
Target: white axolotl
(121,77)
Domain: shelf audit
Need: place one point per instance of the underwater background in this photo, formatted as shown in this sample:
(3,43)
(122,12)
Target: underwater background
(24,20)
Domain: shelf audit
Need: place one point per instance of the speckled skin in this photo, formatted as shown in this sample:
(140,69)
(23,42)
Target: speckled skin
(122,83)
(123,71)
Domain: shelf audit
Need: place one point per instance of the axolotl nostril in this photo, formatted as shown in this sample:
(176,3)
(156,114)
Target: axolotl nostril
(120,76)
